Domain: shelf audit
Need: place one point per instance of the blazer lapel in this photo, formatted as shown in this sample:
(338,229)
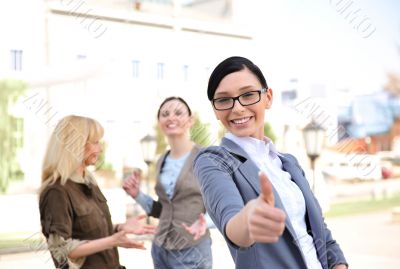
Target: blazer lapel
(249,171)
(311,206)
(247,168)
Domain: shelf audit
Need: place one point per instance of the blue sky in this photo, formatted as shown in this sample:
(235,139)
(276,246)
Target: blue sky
(314,41)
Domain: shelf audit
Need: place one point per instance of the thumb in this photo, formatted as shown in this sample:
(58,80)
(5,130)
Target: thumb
(266,189)
(202,218)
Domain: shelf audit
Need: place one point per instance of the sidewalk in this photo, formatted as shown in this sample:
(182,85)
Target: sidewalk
(369,241)
(131,258)
(351,191)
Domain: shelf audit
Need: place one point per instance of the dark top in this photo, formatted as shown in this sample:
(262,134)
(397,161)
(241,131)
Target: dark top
(78,211)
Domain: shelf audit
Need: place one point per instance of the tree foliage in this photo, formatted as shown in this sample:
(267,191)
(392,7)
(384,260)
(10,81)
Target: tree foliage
(161,141)
(102,163)
(269,132)
(10,132)
(200,132)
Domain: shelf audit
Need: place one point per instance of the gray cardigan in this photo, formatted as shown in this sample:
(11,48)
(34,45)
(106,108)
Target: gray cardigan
(184,207)
(229,179)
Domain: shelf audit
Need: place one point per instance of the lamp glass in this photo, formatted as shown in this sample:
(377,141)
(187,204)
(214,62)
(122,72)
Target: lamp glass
(313,139)
(149,145)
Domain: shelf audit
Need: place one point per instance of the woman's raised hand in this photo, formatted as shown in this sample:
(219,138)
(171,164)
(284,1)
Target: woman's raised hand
(198,228)
(121,240)
(131,184)
(266,223)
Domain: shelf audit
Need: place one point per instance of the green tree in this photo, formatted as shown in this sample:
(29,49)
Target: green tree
(269,132)
(102,163)
(200,132)
(221,131)
(161,142)
(11,138)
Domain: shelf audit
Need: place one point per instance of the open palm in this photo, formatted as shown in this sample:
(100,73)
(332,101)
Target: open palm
(198,228)
(135,226)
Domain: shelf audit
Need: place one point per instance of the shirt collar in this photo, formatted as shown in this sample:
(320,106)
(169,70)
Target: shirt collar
(253,145)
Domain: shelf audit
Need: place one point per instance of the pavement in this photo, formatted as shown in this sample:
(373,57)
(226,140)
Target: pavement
(368,240)
(131,258)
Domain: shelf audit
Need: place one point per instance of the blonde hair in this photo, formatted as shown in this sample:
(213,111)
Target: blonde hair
(66,147)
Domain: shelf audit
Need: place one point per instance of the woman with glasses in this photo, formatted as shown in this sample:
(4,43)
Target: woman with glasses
(74,214)
(176,245)
(257,197)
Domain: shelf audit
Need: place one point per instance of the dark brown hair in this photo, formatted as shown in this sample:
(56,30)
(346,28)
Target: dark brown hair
(231,65)
(171,98)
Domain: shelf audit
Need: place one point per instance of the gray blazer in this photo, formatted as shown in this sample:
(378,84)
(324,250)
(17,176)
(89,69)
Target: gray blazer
(229,179)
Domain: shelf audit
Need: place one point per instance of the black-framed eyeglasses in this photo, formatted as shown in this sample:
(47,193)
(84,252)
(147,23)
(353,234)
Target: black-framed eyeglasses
(245,99)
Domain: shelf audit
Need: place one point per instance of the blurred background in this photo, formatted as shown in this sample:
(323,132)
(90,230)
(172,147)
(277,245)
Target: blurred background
(334,67)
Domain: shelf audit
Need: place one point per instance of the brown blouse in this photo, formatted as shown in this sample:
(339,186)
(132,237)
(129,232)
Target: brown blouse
(78,211)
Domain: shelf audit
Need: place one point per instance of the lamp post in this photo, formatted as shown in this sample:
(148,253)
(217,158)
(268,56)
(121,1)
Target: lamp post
(149,144)
(314,140)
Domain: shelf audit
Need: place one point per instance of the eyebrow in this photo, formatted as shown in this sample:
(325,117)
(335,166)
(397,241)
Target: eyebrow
(241,89)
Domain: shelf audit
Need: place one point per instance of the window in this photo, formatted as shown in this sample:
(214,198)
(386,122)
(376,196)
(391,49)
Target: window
(318,90)
(81,57)
(185,70)
(16,60)
(164,2)
(288,96)
(135,68)
(160,71)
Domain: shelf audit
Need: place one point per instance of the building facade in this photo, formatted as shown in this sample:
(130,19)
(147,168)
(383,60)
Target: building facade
(114,61)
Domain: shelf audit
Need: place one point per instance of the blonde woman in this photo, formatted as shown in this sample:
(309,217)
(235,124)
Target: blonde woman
(73,211)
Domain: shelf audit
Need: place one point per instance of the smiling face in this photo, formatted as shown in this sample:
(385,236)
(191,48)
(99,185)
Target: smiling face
(174,118)
(243,120)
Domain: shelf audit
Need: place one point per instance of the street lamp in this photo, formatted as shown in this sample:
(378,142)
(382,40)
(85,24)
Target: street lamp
(314,140)
(149,145)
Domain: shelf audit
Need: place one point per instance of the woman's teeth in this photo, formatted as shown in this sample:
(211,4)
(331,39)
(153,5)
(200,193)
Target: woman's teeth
(241,121)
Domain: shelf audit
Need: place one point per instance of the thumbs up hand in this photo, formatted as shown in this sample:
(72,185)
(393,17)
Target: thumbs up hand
(266,189)
(265,222)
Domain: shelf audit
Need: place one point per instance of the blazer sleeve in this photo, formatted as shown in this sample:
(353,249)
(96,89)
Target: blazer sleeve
(213,169)
(334,253)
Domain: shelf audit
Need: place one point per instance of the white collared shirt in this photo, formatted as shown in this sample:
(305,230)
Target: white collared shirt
(265,156)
